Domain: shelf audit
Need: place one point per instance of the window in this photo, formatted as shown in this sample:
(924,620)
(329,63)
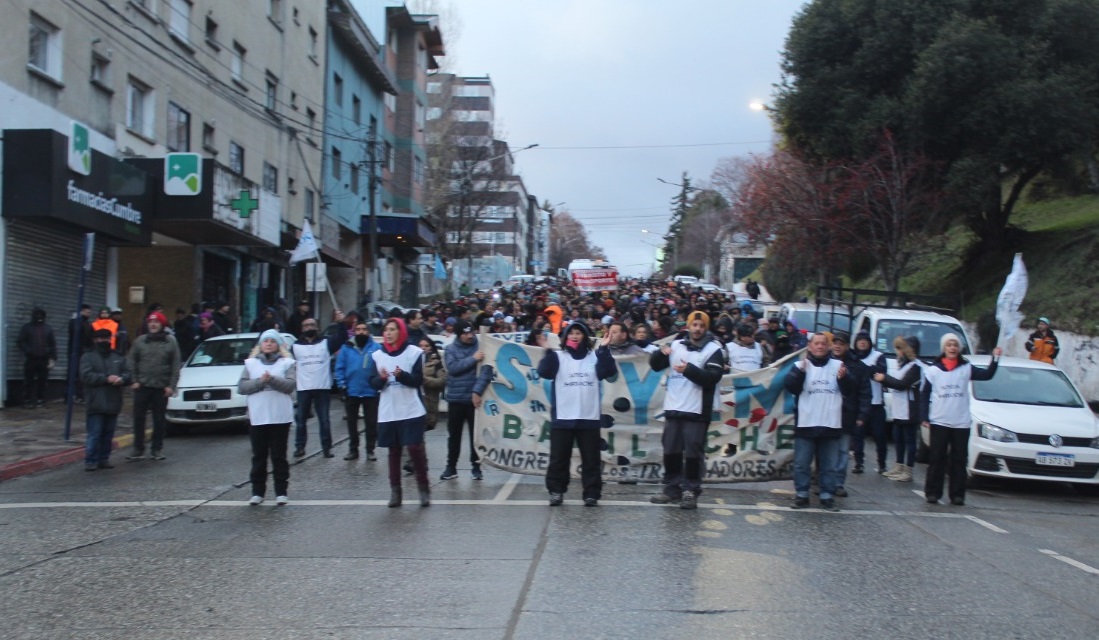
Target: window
(294,100)
(337,162)
(312,42)
(270,178)
(179,19)
(101,67)
(311,118)
(356,109)
(434,113)
(290,187)
(434,87)
(179,128)
(421,57)
(354,178)
(139,108)
(418,169)
(236,158)
(274,10)
(391,102)
(420,113)
(44,52)
(390,156)
(308,201)
(237,66)
(393,41)
(272,95)
(212,32)
(208,137)
(337,89)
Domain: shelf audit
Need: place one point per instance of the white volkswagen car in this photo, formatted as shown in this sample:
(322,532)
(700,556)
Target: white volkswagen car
(207,389)
(1031,422)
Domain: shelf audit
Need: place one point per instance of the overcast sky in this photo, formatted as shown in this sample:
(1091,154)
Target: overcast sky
(618,93)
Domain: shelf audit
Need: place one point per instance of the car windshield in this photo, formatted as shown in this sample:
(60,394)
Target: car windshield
(929,332)
(214,353)
(825,320)
(1023,385)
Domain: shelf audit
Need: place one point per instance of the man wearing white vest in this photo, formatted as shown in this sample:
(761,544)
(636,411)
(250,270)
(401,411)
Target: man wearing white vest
(313,354)
(819,383)
(745,354)
(696,362)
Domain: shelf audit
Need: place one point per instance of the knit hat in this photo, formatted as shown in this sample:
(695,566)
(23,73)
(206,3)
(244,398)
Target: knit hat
(608,319)
(699,315)
(157,316)
(946,337)
(1045,320)
(463,326)
(271,334)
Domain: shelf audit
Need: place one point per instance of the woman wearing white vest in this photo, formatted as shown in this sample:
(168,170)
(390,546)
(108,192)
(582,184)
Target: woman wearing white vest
(269,381)
(576,412)
(944,409)
(905,404)
(398,374)
(745,354)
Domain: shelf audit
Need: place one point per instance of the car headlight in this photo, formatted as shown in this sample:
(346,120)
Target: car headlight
(994,433)
(1094,443)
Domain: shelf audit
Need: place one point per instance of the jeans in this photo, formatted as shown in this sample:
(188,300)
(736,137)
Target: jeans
(269,441)
(684,444)
(823,450)
(957,441)
(843,446)
(146,399)
(591,469)
(904,434)
(320,400)
(97,446)
(369,406)
(459,414)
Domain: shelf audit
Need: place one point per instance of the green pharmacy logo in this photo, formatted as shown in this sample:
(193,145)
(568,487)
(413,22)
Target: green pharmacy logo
(80,151)
(182,174)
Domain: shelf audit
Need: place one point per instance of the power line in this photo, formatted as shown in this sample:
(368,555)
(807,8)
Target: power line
(656,146)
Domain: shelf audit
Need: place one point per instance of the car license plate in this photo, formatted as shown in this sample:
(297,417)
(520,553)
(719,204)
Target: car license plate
(206,406)
(1056,459)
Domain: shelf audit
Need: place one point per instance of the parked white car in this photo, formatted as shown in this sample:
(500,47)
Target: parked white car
(207,388)
(1030,422)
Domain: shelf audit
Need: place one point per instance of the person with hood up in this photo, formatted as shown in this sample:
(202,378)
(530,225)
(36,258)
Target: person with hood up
(397,375)
(1042,344)
(104,321)
(268,382)
(944,409)
(904,404)
(556,317)
(697,362)
(797,338)
(39,347)
(875,419)
(353,365)
(576,411)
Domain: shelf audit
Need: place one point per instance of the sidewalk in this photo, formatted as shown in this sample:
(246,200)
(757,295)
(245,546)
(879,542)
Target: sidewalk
(33,440)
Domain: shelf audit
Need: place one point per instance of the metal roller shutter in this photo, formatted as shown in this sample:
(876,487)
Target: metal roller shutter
(42,269)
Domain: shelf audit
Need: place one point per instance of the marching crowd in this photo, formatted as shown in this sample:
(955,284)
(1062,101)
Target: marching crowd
(395,384)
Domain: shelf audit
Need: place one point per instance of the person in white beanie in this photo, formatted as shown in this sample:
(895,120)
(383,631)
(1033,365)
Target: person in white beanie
(269,380)
(944,409)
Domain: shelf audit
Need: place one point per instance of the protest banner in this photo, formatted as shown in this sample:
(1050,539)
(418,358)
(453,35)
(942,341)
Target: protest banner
(750,437)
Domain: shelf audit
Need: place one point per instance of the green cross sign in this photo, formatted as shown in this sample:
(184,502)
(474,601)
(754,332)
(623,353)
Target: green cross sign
(245,204)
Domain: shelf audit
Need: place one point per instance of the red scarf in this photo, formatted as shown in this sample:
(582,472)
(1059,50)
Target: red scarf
(951,364)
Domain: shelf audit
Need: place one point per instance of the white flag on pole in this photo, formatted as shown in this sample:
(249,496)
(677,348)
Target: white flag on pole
(307,245)
(1011,296)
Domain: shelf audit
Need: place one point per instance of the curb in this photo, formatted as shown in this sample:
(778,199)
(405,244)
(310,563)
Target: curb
(53,460)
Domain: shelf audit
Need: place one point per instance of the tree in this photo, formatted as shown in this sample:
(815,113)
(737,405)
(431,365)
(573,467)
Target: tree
(706,219)
(569,241)
(994,92)
(681,202)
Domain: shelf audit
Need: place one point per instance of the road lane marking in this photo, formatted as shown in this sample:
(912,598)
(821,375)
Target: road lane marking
(508,487)
(985,524)
(1075,563)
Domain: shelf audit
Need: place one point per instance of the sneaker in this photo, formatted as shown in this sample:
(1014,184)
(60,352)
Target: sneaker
(351,455)
(689,500)
(840,492)
(256,500)
(591,502)
(957,501)
(801,503)
(105,465)
(477,475)
(299,452)
(449,474)
(932,499)
(556,499)
(904,475)
(136,456)
(328,454)
(894,472)
(370,456)
(858,469)
(829,505)
(282,500)
(883,468)
(156,455)
(91,467)
(663,498)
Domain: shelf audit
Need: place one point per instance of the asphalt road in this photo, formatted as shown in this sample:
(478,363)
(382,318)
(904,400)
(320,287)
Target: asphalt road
(170,550)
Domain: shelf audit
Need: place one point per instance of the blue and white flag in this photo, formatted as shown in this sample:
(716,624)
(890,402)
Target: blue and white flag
(1011,296)
(307,245)
(440,270)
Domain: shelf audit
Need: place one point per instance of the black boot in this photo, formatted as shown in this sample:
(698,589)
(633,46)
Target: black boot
(395,496)
(425,495)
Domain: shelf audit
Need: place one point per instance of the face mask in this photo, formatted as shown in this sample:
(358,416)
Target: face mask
(103,347)
(360,341)
(572,344)
(309,333)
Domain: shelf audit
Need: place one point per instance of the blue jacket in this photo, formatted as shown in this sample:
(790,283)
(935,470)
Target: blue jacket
(461,370)
(353,367)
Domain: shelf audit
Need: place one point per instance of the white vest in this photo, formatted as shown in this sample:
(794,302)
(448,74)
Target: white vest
(949,396)
(269,406)
(875,387)
(743,358)
(314,371)
(682,394)
(900,399)
(820,403)
(398,401)
(576,388)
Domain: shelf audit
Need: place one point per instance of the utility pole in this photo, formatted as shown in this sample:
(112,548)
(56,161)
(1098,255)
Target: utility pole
(375,279)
